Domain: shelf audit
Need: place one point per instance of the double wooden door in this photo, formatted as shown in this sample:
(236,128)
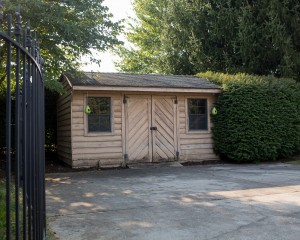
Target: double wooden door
(150,125)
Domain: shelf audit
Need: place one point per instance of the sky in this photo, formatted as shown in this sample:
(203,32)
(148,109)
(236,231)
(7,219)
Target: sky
(120,9)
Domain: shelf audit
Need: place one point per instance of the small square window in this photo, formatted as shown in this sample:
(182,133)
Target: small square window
(197,114)
(99,120)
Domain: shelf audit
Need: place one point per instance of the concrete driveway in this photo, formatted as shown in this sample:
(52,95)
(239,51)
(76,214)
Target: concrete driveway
(160,203)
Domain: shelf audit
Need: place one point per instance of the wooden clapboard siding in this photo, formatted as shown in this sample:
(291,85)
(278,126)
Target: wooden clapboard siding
(88,163)
(95,156)
(64,144)
(94,149)
(92,138)
(194,146)
(195,158)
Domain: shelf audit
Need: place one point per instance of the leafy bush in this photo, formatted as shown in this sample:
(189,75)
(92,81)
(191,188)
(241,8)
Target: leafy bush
(50,122)
(258,117)
(3,210)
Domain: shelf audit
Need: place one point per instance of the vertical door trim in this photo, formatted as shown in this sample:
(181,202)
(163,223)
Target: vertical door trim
(152,132)
(150,114)
(176,133)
(178,127)
(124,141)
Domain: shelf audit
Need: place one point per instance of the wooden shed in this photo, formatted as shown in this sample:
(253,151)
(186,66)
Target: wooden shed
(111,119)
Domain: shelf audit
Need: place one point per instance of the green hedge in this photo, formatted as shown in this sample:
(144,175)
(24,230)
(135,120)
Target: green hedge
(258,117)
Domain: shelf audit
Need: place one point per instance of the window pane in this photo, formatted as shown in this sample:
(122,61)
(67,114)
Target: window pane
(99,123)
(94,105)
(104,123)
(197,109)
(193,110)
(197,122)
(197,106)
(93,123)
(104,105)
(201,110)
(99,120)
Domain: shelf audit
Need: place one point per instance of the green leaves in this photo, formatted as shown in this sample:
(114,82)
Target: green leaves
(258,117)
(160,37)
(67,30)
(186,37)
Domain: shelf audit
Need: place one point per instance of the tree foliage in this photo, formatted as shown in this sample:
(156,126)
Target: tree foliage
(67,30)
(186,37)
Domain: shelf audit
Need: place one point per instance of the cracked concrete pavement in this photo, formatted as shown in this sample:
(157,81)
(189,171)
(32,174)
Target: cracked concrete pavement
(236,202)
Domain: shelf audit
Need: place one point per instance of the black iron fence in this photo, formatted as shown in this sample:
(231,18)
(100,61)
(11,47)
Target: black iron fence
(21,69)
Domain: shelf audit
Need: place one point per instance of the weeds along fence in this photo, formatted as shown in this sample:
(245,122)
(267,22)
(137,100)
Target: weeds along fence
(21,72)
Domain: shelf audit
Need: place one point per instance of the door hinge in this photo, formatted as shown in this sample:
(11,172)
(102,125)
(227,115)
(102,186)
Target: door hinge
(124,99)
(175,101)
(153,128)
(126,157)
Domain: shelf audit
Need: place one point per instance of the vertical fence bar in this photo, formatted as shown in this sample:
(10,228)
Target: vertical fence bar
(28,136)
(38,184)
(17,125)
(34,160)
(8,132)
(39,140)
(24,137)
(42,150)
(42,144)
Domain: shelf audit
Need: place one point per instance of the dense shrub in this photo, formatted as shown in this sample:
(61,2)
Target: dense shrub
(50,122)
(258,117)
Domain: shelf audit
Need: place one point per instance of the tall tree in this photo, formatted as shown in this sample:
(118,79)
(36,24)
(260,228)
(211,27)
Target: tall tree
(188,36)
(67,30)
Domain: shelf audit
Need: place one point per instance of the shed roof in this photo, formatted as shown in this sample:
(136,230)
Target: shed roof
(138,80)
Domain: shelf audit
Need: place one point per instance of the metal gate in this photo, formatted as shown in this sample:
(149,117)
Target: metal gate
(21,69)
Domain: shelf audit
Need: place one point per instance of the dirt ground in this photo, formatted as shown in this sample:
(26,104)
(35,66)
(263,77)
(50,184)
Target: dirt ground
(52,166)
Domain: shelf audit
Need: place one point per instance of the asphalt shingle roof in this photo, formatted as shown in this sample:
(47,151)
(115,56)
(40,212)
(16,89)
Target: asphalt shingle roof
(138,80)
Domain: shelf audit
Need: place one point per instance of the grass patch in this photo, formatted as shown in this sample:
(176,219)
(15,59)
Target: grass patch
(295,162)
(3,209)
(50,235)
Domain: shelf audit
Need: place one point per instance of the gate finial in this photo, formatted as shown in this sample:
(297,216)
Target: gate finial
(18,23)
(28,35)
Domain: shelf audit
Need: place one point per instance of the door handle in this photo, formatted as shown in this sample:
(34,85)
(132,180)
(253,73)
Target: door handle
(153,128)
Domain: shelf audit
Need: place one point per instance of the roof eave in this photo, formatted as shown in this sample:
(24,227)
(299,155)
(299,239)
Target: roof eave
(146,89)
(65,77)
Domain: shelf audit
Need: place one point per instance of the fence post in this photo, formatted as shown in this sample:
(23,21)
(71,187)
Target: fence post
(8,131)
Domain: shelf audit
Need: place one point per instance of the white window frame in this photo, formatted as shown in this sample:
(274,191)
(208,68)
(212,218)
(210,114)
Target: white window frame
(86,129)
(208,130)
